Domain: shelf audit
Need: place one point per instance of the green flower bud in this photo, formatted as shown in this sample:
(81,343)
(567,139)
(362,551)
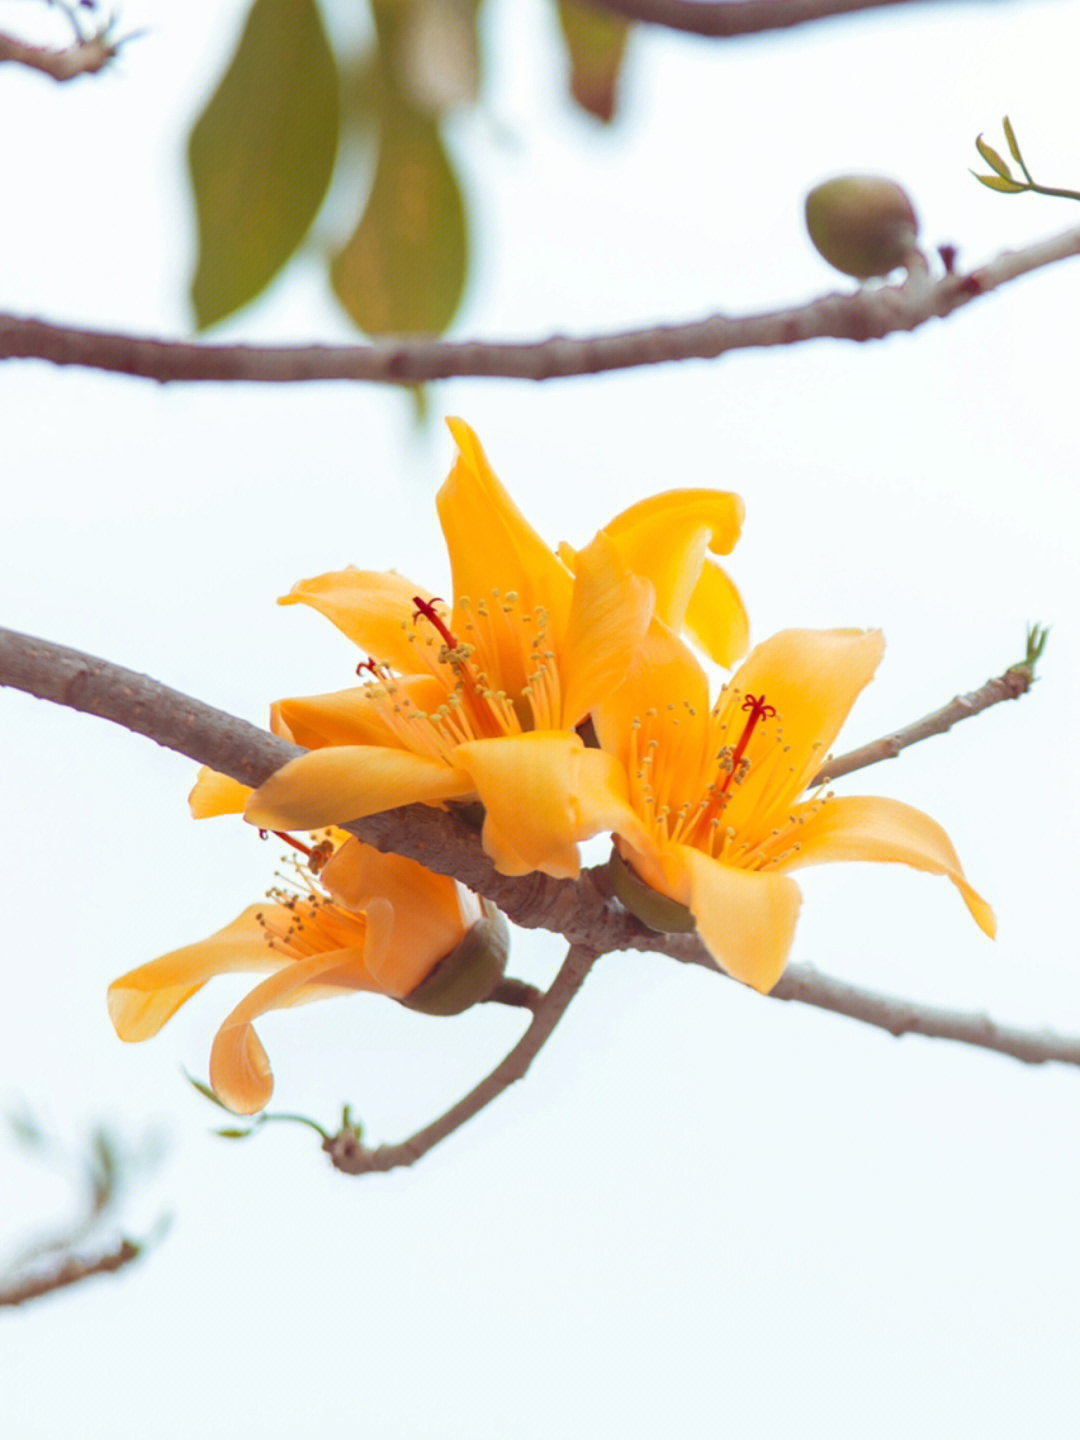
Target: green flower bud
(863,225)
(658,912)
(469,973)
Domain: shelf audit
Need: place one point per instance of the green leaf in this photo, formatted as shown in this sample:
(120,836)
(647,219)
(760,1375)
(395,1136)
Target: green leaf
(205,1091)
(403,270)
(231,1133)
(26,1129)
(1010,136)
(261,154)
(596,44)
(992,158)
(998,182)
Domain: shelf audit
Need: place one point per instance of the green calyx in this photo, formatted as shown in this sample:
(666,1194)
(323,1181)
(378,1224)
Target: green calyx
(658,912)
(469,973)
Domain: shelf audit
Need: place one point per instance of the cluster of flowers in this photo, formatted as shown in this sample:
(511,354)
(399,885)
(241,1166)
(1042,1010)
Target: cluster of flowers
(557,691)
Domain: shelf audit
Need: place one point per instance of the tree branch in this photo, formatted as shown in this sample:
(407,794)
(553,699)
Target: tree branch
(1016,681)
(349,1155)
(725,19)
(85,57)
(869,313)
(72,1271)
(583,911)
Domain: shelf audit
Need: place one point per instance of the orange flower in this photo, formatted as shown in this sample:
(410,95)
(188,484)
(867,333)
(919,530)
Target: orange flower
(715,822)
(481,700)
(368,922)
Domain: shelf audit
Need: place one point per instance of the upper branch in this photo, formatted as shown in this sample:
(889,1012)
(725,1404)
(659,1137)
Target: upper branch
(725,19)
(869,313)
(583,911)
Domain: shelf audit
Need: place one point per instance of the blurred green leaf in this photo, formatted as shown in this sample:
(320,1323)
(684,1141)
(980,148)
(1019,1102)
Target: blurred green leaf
(26,1129)
(403,270)
(596,43)
(1010,136)
(998,182)
(992,158)
(261,154)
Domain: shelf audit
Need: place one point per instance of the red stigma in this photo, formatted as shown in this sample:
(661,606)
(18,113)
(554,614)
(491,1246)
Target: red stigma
(426,608)
(759,710)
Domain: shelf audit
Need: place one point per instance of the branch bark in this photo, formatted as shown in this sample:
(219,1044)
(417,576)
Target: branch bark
(869,313)
(350,1156)
(86,57)
(583,912)
(726,19)
(1016,681)
(72,1271)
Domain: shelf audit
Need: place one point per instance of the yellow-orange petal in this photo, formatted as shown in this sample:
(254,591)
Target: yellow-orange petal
(240,1071)
(666,538)
(746,919)
(490,543)
(141,1001)
(342,717)
(347,782)
(716,617)
(373,608)
(216,794)
(542,792)
(812,678)
(431,912)
(869,827)
(664,673)
(609,615)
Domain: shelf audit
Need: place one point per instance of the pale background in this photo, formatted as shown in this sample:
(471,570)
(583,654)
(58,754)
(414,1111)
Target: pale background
(704,1212)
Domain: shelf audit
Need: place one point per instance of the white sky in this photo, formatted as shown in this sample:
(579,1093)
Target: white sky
(704,1212)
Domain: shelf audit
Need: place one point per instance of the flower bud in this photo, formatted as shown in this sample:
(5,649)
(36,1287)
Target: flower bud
(469,973)
(863,225)
(658,912)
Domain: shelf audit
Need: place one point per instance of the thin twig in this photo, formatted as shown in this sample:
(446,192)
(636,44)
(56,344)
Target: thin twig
(869,313)
(582,911)
(71,1272)
(351,1156)
(1015,682)
(725,19)
(86,57)
(903,1017)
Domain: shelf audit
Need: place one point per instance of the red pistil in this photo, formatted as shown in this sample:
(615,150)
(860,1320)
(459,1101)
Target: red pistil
(289,840)
(758,709)
(427,609)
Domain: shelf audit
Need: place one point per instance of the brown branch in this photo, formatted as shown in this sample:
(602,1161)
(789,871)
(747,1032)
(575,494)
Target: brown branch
(725,19)
(71,1272)
(869,313)
(903,1017)
(1015,682)
(86,56)
(350,1156)
(582,911)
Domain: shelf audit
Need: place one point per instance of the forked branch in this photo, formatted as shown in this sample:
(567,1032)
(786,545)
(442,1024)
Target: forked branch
(350,1155)
(582,911)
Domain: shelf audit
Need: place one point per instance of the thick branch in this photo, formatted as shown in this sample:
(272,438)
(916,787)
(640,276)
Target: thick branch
(356,1159)
(725,19)
(85,57)
(583,912)
(869,313)
(1016,681)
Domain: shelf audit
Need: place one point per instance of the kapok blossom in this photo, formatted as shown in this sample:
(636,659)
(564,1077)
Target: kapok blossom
(481,699)
(366,921)
(715,820)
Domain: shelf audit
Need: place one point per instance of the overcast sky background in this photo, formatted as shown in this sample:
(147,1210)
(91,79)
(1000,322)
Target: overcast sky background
(704,1211)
